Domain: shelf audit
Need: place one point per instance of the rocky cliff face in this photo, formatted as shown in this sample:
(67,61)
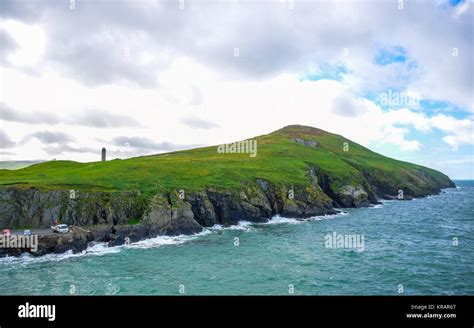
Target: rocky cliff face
(37,209)
(106,214)
(164,213)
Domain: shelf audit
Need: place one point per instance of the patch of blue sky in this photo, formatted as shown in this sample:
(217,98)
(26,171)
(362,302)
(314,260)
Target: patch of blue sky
(390,55)
(429,139)
(326,71)
(455,2)
(434,107)
(426,106)
(449,4)
(440,155)
(394,98)
(433,143)
(375,95)
(434,152)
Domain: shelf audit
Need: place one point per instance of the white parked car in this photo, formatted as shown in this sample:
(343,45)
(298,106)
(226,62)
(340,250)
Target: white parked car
(60,228)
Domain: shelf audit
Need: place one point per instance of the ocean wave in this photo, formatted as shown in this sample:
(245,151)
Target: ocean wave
(242,225)
(376,206)
(96,249)
(165,240)
(277,219)
(100,249)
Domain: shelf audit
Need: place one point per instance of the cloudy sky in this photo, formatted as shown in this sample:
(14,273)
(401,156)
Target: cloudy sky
(142,77)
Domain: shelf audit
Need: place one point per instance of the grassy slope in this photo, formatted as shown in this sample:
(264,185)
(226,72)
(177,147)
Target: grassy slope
(280,160)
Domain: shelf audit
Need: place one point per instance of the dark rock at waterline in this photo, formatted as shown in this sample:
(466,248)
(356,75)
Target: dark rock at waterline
(104,216)
(100,233)
(203,209)
(170,216)
(390,197)
(130,234)
(58,244)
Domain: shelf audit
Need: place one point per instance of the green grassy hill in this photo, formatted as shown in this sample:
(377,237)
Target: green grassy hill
(281,160)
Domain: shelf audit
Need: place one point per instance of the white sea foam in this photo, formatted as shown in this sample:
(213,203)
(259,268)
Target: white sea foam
(96,249)
(242,225)
(376,206)
(277,219)
(387,201)
(166,240)
(27,258)
(100,249)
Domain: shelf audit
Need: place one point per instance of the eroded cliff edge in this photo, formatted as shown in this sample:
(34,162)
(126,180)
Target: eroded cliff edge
(117,217)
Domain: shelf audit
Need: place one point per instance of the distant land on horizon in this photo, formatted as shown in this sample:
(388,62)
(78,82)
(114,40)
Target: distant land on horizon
(15,165)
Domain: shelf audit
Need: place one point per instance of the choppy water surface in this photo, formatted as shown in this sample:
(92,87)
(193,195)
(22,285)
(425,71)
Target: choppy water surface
(409,243)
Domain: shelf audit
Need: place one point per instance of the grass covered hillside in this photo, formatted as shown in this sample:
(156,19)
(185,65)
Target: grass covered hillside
(283,158)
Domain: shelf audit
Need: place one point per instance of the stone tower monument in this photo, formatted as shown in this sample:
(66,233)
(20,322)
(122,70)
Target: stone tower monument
(103,154)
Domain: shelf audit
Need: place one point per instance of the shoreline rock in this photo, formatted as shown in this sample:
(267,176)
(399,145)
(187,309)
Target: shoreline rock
(106,216)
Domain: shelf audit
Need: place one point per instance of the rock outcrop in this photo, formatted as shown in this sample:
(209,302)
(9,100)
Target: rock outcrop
(35,208)
(118,217)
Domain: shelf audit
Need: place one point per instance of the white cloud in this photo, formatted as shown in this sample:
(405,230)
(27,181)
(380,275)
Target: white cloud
(396,136)
(234,109)
(149,68)
(30,41)
(459,131)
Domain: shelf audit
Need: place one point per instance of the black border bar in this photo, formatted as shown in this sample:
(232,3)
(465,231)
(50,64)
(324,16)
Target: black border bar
(156,311)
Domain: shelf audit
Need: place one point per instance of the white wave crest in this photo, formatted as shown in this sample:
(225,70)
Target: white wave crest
(277,219)
(166,240)
(376,206)
(242,225)
(100,249)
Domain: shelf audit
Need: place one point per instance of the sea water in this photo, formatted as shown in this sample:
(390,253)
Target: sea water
(424,246)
